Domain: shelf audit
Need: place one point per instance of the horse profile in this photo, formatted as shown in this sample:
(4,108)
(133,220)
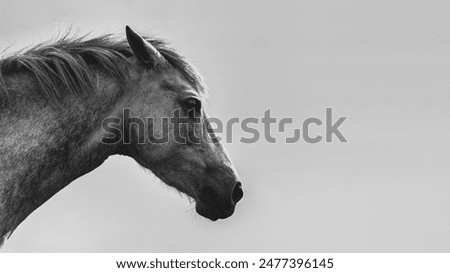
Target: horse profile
(55,98)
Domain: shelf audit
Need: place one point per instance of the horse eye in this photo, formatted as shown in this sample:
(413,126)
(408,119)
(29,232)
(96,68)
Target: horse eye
(192,104)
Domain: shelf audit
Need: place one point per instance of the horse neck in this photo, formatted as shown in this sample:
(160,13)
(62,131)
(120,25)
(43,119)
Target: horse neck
(43,149)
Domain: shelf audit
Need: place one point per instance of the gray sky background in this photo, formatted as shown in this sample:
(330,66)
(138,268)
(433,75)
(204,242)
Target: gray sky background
(384,64)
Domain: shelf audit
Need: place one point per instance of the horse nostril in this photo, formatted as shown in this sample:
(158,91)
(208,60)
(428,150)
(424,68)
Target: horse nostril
(238,193)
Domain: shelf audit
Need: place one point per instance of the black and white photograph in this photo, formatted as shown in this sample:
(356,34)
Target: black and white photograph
(254,127)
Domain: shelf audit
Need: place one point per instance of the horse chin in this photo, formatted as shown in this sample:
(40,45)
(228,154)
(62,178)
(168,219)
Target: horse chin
(211,212)
(203,210)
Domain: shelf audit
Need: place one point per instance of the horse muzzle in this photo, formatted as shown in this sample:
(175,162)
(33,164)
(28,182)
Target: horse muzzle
(214,206)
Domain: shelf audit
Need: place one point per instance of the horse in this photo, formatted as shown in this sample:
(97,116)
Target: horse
(56,96)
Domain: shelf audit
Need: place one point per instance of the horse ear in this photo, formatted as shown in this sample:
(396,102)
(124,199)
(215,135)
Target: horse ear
(142,49)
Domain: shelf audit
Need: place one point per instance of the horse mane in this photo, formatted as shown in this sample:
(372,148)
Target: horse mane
(67,62)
